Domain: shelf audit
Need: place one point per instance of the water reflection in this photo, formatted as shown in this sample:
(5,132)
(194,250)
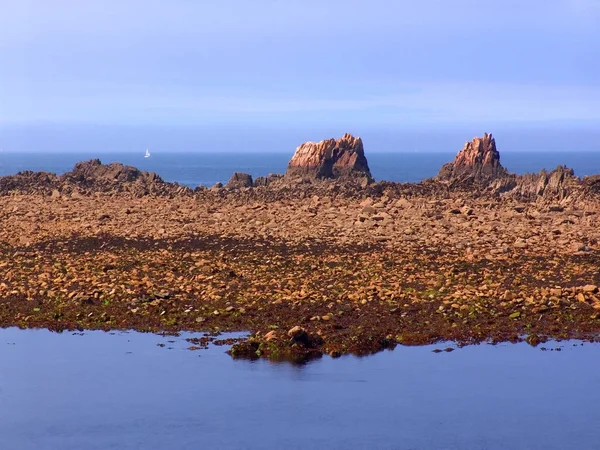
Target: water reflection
(123,391)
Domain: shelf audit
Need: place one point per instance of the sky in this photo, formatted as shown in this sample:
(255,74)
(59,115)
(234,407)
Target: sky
(300,64)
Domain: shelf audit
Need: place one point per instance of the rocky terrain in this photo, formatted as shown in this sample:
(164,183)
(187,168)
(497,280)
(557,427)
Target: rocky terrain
(308,265)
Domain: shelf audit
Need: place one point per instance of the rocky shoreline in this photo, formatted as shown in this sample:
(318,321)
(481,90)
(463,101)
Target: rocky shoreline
(322,259)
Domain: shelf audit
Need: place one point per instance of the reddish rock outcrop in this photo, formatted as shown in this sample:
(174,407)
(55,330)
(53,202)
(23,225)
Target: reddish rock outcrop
(478,161)
(342,158)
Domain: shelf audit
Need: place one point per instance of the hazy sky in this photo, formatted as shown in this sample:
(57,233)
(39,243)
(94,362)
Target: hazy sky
(382,62)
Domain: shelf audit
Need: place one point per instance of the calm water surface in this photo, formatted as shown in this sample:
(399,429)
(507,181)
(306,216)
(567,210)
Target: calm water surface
(122,391)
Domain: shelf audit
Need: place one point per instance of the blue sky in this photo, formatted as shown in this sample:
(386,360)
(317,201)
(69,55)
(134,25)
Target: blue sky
(300,62)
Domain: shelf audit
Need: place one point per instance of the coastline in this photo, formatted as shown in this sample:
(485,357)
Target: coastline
(308,267)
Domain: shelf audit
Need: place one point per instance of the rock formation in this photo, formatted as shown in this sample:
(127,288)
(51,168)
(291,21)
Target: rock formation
(28,181)
(475,173)
(91,176)
(478,161)
(343,158)
(240,180)
(94,171)
(268,180)
(556,185)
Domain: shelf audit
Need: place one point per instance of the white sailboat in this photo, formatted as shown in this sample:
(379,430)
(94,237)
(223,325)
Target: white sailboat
(147,155)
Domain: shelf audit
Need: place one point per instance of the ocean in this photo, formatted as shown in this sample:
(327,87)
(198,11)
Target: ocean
(194,169)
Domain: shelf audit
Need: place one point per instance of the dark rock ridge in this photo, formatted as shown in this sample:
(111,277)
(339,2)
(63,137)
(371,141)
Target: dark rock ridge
(91,176)
(342,158)
(93,171)
(555,185)
(266,181)
(478,161)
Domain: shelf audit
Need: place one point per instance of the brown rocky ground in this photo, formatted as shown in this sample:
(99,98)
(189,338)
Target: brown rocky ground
(305,274)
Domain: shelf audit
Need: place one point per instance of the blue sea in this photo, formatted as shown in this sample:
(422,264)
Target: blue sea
(194,169)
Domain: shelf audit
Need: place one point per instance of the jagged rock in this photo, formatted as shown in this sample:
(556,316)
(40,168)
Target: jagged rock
(343,158)
(555,185)
(268,180)
(261,181)
(592,183)
(478,161)
(240,180)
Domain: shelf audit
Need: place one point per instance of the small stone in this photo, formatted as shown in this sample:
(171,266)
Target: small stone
(592,288)
(579,247)
(556,292)
(515,315)
(271,335)
(520,243)
(295,331)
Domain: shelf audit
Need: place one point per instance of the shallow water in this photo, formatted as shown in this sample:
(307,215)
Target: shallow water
(123,391)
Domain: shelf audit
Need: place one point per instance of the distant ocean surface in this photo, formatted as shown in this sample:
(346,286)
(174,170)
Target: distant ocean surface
(194,169)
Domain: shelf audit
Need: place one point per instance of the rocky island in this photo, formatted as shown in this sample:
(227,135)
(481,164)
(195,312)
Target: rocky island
(319,260)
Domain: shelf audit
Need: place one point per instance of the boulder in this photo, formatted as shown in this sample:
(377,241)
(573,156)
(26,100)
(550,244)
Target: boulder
(342,158)
(261,182)
(240,180)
